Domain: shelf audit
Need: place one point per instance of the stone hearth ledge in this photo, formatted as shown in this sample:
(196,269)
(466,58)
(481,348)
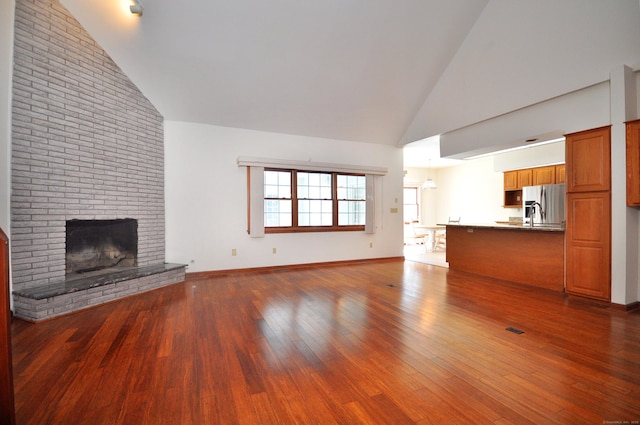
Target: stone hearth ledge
(46,302)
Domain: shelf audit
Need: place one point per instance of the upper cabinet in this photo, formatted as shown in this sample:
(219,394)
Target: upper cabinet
(511,180)
(525,178)
(544,175)
(633,163)
(560,174)
(515,180)
(589,161)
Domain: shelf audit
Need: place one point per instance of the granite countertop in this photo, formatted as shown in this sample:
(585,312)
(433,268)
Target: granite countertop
(101,278)
(515,226)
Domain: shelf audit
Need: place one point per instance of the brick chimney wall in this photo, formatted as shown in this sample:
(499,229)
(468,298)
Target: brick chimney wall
(86,144)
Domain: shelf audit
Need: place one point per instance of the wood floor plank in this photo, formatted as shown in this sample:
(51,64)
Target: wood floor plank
(381,342)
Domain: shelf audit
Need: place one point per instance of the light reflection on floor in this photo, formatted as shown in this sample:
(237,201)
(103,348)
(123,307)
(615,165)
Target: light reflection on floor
(419,253)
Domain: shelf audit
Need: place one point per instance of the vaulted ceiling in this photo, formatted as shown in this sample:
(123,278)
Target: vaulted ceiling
(378,71)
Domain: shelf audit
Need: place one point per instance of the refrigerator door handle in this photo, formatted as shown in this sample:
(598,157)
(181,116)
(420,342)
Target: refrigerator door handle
(543,204)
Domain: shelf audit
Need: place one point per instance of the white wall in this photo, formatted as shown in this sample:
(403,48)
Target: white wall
(580,110)
(428,198)
(535,156)
(6,63)
(474,192)
(206,199)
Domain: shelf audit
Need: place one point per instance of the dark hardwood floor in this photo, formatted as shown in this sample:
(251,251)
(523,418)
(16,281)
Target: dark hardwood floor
(378,343)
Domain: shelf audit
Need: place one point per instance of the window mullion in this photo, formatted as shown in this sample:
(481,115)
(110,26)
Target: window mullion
(334,198)
(294,198)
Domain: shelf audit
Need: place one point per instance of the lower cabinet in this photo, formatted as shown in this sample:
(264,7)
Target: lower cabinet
(588,244)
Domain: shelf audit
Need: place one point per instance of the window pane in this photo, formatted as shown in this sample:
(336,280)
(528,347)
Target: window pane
(352,187)
(325,192)
(271,177)
(303,179)
(284,191)
(327,213)
(351,213)
(277,213)
(277,184)
(315,212)
(314,185)
(411,206)
(271,191)
(314,192)
(314,179)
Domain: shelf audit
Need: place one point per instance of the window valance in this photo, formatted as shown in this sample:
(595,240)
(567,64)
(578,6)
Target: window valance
(247,161)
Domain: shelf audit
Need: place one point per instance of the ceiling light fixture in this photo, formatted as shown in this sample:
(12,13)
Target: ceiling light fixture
(429,183)
(136,8)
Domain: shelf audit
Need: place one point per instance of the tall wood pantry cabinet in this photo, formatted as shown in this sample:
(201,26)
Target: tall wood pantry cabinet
(633,163)
(588,227)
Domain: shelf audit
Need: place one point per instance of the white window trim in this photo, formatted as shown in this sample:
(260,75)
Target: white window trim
(248,161)
(256,201)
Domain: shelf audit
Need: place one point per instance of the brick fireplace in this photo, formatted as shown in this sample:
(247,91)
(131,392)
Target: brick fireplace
(86,146)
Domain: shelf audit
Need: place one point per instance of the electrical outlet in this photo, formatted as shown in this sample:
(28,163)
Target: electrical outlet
(234,252)
(370,244)
(273,250)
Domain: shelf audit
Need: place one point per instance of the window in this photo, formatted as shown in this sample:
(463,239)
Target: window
(411,205)
(277,202)
(352,195)
(298,201)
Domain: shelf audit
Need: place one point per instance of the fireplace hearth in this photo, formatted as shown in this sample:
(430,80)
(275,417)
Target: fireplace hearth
(93,245)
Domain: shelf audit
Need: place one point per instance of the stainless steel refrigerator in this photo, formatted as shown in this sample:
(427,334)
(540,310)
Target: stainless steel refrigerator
(545,203)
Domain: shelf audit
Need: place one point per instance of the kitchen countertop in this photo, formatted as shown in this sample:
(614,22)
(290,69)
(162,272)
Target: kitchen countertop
(505,226)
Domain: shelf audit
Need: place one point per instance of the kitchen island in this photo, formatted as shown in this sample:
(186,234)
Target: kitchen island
(518,253)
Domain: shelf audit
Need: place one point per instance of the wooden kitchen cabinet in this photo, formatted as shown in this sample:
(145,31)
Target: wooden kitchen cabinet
(511,180)
(588,239)
(588,226)
(544,175)
(560,174)
(515,180)
(633,163)
(525,178)
(588,160)
(498,253)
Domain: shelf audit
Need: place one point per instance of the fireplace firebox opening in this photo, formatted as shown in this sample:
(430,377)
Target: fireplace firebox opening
(99,244)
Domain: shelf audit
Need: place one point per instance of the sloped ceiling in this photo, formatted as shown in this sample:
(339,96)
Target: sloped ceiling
(379,71)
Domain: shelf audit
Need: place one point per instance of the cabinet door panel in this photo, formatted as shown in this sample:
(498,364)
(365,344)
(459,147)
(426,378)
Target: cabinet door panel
(588,161)
(560,174)
(525,178)
(633,163)
(588,236)
(511,180)
(544,175)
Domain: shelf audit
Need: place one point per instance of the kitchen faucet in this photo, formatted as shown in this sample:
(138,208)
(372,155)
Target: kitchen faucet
(532,213)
